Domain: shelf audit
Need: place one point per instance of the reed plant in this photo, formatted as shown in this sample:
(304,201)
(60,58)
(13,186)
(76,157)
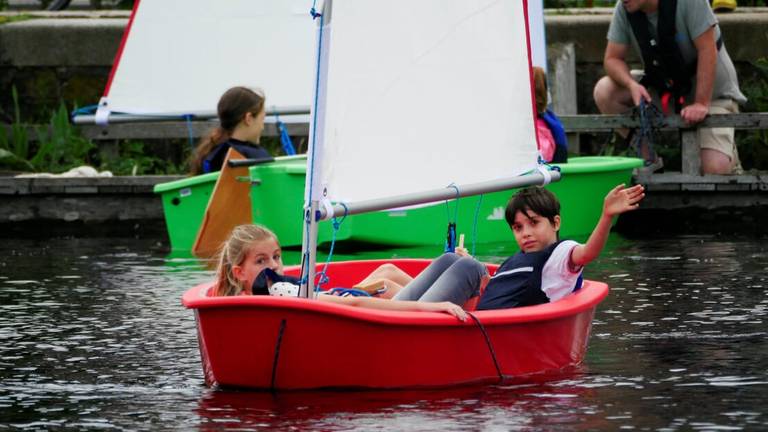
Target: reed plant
(753,144)
(58,145)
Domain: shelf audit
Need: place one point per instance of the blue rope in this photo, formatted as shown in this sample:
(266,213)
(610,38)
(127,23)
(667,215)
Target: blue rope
(344,292)
(188,118)
(322,276)
(450,241)
(285,139)
(474,223)
(89,109)
(649,116)
(315,15)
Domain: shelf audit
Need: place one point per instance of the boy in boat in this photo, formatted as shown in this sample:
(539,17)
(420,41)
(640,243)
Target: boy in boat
(545,270)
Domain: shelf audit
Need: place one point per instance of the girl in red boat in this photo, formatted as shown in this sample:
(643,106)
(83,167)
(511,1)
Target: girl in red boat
(252,254)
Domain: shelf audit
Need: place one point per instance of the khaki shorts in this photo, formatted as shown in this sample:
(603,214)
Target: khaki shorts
(721,139)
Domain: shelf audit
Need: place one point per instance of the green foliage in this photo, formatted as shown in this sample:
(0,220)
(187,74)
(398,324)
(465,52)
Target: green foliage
(133,159)
(753,145)
(60,146)
(57,148)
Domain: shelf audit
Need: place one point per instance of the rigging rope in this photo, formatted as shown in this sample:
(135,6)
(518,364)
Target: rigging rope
(311,162)
(450,241)
(322,277)
(474,223)
(277,354)
(490,346)
(188,118)
(649,116)
(285,138)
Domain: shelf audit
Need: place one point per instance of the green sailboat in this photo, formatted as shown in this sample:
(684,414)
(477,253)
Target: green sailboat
(277,199)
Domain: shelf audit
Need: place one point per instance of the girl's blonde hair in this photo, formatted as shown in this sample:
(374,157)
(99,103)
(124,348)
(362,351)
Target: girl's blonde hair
(233,253)
(233,105)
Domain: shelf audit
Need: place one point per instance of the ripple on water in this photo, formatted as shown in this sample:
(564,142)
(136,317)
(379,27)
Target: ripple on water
(99,340)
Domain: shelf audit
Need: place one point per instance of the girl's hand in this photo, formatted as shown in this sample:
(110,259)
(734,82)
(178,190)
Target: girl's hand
(446,307)
(620,200)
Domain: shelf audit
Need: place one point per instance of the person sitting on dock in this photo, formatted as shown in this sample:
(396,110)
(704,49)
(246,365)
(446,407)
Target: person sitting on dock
(686,65)
(252,252)
(241,114)
(545,270)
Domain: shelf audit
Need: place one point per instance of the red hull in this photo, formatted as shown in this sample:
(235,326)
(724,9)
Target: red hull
(288,343)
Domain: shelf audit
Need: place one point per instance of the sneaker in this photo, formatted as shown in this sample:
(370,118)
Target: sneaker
(650,167)
(724,5)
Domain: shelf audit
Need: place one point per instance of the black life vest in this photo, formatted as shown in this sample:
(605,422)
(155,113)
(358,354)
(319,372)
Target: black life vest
(517,281)
(666,70)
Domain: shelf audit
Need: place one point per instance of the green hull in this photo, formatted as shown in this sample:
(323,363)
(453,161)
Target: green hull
(278,192)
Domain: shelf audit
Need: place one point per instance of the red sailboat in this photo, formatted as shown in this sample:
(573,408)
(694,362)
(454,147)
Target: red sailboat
(286,343)
(460,73)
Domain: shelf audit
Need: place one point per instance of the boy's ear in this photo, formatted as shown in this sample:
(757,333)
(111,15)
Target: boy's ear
(557,222)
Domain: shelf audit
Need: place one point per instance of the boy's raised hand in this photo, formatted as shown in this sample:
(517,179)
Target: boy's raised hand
(620,200)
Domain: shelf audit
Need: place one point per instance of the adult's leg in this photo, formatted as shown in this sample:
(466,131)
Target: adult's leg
(718,151)
(460,282)
(418,286)
(611,98)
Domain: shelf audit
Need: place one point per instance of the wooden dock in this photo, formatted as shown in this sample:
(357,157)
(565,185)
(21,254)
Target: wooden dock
(127,205)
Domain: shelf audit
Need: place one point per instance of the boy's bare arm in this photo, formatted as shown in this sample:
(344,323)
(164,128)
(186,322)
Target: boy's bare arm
(618,201)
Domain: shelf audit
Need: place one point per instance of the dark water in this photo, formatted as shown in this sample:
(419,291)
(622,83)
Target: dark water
(93,336)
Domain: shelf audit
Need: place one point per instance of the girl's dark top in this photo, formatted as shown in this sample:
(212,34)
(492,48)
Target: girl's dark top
(215,158)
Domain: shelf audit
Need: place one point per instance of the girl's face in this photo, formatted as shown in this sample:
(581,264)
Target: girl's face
(263,254)
(534,233)
(255,125)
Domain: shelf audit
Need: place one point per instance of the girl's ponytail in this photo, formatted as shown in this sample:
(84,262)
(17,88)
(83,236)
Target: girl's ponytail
(233,105)
(209,141)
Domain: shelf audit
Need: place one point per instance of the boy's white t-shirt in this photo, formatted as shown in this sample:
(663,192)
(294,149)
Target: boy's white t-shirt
(557,279)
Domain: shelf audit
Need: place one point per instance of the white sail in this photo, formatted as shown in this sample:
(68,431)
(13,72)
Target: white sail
(179,56)
(420,94)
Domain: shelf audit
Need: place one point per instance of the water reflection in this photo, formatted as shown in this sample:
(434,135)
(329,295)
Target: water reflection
(93,335)
(532,404)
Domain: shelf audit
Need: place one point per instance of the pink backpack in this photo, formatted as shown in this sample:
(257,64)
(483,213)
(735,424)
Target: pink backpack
(546,140)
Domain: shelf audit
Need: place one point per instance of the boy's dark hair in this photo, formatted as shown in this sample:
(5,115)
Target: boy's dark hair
(536,199)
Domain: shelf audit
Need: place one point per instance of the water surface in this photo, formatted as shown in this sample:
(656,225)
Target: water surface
(93,335)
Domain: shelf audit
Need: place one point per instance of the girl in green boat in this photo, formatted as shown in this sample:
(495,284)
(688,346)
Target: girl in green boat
(241,121)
